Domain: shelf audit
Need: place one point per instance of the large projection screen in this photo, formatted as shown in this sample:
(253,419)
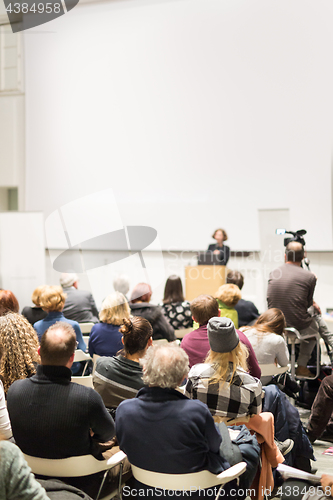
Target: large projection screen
(196,113)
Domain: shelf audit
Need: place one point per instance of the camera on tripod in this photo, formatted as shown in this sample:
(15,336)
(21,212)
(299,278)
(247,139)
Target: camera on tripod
(297,236)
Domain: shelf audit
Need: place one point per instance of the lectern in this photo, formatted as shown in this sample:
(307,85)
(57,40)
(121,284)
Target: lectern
(203,280)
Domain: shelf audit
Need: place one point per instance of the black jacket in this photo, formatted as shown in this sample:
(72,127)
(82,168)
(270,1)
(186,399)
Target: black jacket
(224,253)
(161,327)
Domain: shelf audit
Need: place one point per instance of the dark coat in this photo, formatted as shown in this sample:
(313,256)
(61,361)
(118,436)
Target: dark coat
(287,424)
(161,327)
(161,430)
(224,253)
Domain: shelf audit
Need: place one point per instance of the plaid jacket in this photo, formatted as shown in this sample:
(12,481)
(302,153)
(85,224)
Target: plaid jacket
(242,397)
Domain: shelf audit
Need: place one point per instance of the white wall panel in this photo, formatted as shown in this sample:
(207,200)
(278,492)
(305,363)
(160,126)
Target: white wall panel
(195,113)
(22,253)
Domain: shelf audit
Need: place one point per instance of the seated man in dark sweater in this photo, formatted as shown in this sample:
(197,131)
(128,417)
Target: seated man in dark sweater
(51,416)
(247,311)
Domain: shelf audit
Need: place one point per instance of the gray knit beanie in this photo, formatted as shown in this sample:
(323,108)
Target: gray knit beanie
(222,335)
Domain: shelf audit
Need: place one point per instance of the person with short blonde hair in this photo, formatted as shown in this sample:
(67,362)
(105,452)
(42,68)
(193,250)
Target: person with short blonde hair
(52,301)
(105,337)
(36,313)
(247,311)
(52,298)
(227,297)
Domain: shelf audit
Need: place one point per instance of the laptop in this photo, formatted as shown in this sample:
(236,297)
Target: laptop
(208,259)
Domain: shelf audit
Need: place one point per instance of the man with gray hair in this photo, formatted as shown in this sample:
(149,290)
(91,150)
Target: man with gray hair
(121,284)
(80,305)
(161,430)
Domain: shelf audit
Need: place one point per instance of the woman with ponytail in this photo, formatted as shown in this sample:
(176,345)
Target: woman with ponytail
(120,377)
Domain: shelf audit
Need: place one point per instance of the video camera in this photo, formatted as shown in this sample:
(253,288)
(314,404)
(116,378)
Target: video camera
(297,236)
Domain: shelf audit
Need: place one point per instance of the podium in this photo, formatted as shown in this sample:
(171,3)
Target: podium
(203,280)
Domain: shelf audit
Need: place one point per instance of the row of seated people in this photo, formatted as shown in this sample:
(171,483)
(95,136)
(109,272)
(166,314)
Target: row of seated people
(16,319)
(44,426)
(196,318)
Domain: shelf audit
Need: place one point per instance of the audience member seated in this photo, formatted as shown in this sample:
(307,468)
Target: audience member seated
(52,301)
(34,314)
(247,311)
(19,346)
(175,308)
(80,305)
(120,377)
(121,285)
(219,248)
(222,382)
(161,430)
(196,343)
(54,418)
(227,297)
(321,411)
(8,302)
(266,337)
(140,306)
(16,478)
(105,337)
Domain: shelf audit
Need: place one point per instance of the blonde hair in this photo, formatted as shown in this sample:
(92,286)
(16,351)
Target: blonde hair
(36,294)
(52,298)
(18,348)
(114,309)
(229,294)
(220,361)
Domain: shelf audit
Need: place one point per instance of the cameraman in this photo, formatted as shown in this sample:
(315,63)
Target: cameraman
(291,289)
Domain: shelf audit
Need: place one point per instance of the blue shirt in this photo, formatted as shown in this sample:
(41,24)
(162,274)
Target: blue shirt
(105,340)
(53,317)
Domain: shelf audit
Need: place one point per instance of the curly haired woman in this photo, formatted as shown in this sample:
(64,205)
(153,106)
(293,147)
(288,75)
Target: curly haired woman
(19,343)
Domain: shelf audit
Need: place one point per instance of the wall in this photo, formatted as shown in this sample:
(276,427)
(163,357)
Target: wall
(195,113)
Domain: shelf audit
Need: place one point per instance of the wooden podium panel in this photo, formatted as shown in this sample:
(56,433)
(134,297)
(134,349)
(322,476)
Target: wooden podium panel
(203,280)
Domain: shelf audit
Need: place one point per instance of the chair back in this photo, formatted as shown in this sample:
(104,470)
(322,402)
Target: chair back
(160,341)
(182,332)
(270,369)
(79,355)
(202,479)
(86,381)
(83,465)
(86,327)
(95,358)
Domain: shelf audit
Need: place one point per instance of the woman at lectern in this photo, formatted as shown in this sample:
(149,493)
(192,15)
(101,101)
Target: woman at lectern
(219,248)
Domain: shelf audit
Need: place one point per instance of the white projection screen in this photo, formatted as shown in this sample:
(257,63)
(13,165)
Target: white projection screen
(196,113)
